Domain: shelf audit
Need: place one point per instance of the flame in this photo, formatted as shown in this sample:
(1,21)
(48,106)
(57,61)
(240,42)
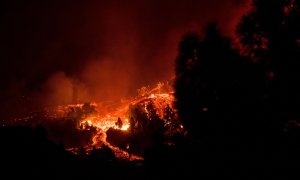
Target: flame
(108,114)
(105,115)
(107,119)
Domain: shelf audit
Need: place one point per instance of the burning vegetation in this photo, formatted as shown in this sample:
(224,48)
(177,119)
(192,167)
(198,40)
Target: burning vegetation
(128,127)
(240,108)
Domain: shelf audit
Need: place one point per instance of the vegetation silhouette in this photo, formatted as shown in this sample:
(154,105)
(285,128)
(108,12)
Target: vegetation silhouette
(240,109)
(236,104)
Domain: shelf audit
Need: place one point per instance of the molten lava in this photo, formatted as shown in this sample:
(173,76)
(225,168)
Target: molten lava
(130,116)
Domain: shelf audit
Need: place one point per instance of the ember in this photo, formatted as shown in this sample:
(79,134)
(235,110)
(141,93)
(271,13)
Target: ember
(98,118)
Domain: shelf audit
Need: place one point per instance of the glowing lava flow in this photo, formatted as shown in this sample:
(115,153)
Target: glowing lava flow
(104,116)
(95,119)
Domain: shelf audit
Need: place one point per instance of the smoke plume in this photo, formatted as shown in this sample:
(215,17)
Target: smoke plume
(59,52)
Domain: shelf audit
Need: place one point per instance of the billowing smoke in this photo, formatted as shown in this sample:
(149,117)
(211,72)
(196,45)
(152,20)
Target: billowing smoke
(59,52)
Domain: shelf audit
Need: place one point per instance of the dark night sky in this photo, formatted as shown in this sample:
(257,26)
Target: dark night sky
(56,52)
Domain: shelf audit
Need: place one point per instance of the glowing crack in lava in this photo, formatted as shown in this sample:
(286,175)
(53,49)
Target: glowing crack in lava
(130,117)
(117,116)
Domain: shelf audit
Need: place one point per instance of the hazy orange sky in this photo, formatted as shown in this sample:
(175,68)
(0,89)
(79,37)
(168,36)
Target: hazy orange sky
(58,52)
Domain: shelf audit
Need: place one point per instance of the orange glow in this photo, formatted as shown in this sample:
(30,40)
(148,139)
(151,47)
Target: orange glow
(105,115)
(95,119)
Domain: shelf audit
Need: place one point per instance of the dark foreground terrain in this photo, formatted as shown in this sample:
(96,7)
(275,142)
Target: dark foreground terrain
(27,153)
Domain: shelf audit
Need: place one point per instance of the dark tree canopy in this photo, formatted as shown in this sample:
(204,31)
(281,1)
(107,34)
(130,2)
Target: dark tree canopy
(270,34)
(254,89)
(245,103)
(240,107)
(206,72)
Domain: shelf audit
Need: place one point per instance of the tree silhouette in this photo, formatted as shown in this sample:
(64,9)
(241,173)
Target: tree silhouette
(276,25)
(185,86)
(220,98)
(270,34)
(207,80)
